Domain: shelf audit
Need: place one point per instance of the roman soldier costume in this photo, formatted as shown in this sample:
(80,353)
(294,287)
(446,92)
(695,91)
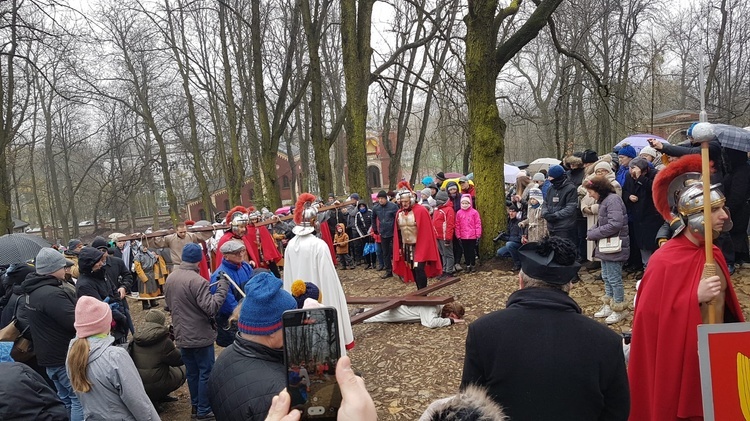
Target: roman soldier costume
(415,254)
(663,369)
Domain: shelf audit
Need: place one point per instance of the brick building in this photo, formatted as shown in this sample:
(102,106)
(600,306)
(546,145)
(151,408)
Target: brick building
(220,196)
(672,125)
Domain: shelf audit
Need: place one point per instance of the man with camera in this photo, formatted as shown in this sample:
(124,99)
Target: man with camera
(512,239)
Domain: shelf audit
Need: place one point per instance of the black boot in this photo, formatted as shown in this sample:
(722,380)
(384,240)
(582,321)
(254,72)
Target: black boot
(146,304)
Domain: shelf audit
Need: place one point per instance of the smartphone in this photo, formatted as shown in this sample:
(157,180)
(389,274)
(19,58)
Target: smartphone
(311,351)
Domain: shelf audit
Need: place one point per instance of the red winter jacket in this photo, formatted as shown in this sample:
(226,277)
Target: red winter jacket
(444,221)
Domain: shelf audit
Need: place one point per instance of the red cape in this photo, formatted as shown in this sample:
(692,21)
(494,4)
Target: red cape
(229,236)
(325,234)
(270,252)
(663,369)
(424,251)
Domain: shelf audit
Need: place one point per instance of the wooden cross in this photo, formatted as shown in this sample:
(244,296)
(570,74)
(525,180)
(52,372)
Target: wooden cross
(414,298)
(272,220)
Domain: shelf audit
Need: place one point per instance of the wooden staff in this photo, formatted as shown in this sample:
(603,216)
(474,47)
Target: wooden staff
(272,220)
(709,268)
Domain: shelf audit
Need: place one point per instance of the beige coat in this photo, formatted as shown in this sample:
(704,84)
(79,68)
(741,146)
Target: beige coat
(175,244)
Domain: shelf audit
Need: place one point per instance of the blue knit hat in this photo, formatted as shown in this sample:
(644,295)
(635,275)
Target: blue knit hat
(628,151)
(263,305)
(192,253)
(303,290)
(555,171)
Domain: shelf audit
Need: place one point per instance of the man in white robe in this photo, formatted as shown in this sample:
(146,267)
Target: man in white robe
(308,258)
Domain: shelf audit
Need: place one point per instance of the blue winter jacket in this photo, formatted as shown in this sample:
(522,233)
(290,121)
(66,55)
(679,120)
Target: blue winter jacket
(240,275)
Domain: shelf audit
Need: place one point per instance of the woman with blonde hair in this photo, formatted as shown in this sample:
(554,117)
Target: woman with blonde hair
(103,376)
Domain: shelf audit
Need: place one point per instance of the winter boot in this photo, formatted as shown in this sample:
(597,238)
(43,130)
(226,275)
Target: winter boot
(606,310)
(618,313)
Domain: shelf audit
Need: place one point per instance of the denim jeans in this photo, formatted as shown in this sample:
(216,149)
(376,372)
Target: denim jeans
(612,275)
(446,253)
(65,392)
(510,249)
(198,365)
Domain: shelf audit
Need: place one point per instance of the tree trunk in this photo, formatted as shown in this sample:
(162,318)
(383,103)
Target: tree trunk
(321,145)
(483,61)
(182,60)
(236,168)
(356,16)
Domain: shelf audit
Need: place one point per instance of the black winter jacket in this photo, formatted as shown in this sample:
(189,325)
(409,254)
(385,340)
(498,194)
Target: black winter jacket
(93,283)
(15,295)
(383,218)
(541,359)
(158,361)
(245,378)
(51,310)
(26,396)
(645,218)
(560,204)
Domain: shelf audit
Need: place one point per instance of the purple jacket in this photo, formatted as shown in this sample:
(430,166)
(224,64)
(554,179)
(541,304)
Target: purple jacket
(468,224)
(613,220)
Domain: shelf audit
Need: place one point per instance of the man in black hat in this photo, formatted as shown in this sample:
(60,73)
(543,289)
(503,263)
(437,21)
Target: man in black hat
(540,358)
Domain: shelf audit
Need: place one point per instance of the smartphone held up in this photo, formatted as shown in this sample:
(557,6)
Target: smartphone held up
(311,351)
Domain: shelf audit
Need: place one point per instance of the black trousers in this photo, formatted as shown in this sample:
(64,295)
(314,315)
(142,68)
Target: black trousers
(386,244)
(420,277)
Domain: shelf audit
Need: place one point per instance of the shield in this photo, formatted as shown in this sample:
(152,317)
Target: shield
(541,164)
(732,137)
(18,248)
(639,141)
(510,172)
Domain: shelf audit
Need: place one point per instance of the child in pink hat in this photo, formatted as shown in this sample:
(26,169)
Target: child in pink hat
(103,376)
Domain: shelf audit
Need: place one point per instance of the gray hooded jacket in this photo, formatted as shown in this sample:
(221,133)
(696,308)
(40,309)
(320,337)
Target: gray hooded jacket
(117,391)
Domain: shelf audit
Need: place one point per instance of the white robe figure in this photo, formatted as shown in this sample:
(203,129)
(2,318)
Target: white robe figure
(429,316)
(308,258)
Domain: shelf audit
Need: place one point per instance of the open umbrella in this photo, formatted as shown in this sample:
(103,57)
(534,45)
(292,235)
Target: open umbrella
(510,173)
(283,210)
(541,164)
(639,141)
(450,175)
(733,137)
(519,164)
(18,248)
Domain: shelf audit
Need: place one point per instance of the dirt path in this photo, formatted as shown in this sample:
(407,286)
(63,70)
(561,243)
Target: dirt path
(407,366)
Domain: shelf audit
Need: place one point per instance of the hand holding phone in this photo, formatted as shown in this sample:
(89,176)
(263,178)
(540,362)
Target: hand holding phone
(356,402)
(311,353)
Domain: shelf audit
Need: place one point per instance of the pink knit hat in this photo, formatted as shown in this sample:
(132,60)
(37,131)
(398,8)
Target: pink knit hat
(92,317)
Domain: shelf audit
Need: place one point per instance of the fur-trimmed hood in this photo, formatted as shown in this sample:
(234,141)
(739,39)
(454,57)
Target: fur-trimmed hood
(573,162)
(472,404)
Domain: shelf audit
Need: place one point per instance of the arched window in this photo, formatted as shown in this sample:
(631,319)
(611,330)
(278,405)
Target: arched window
(373,176)
(284,182)
(202,214)
(226,204)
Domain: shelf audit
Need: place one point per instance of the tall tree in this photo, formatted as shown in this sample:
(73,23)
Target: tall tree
(484,59)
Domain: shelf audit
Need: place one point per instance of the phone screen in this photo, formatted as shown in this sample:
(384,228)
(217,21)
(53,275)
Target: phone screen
(311,351)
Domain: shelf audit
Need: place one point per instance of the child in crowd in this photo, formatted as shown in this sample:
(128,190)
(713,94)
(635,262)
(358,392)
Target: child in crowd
(104,376)
(444,222)
(468,230)
(534,226)
(341,241)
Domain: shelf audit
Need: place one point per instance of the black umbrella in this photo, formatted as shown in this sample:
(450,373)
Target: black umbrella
(17,248)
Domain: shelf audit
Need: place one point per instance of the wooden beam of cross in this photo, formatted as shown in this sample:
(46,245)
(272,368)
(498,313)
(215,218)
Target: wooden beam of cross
(272,220)
(393,302)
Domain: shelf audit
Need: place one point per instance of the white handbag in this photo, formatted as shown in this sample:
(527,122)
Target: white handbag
(610,245)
